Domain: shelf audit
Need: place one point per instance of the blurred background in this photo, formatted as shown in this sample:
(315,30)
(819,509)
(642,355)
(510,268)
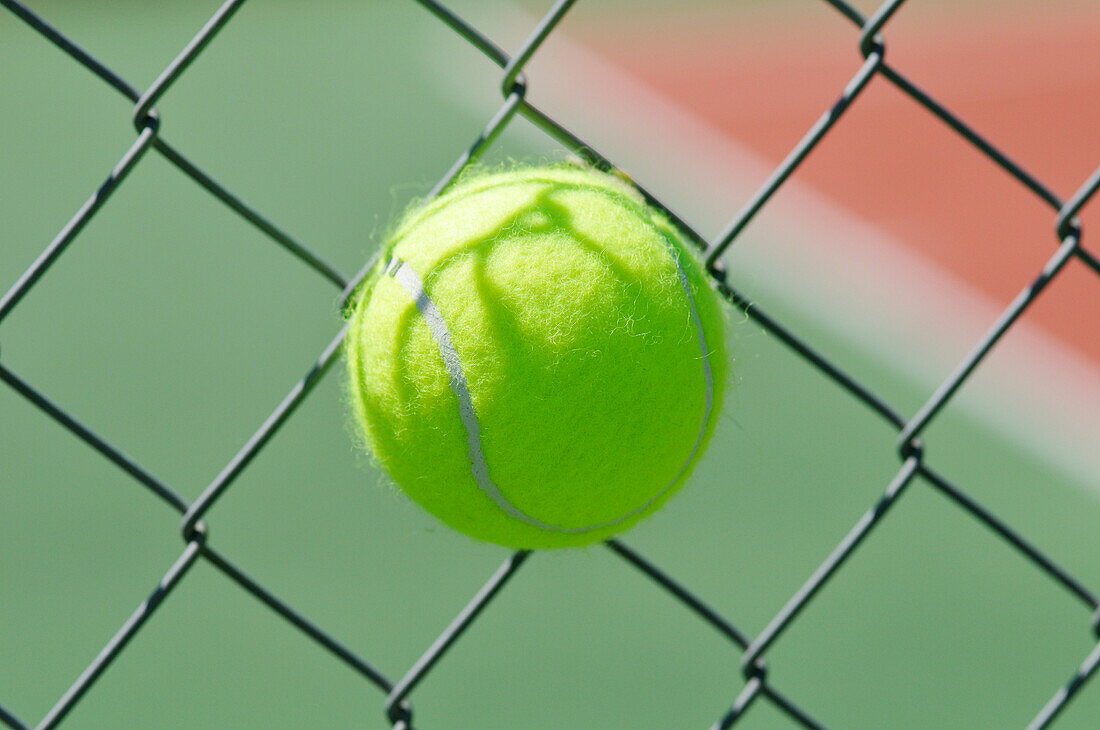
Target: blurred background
(172,328)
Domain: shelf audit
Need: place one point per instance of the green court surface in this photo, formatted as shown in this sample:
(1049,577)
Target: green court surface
(172,328)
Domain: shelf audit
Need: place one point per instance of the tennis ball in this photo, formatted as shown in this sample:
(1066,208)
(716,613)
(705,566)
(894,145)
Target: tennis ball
(537,359)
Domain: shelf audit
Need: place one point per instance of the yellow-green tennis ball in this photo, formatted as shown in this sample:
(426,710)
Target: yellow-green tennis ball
(537,360)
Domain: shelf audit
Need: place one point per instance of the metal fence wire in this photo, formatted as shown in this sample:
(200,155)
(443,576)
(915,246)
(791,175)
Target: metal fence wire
(398,693)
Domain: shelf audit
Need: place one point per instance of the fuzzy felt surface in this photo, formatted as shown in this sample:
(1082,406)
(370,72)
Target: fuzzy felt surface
(579,347)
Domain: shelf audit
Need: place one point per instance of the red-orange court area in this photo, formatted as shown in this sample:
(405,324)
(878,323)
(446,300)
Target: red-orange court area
(1026,77)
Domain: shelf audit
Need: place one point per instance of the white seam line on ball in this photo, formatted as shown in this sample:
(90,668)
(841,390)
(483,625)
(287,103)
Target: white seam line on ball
(708,383)
(708,376)
(404,275)
(410,281)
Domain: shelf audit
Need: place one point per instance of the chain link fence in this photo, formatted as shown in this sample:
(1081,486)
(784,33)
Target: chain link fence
(396,695)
